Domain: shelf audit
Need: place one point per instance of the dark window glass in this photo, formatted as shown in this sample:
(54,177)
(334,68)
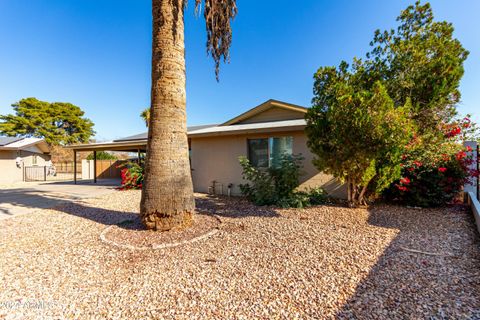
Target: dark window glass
(279,147)
(264,153)
(258,152)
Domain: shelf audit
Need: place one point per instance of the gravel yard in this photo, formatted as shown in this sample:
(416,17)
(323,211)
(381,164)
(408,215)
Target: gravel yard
(322,262)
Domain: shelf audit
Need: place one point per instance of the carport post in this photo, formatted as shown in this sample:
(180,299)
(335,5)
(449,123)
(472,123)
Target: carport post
(75,166)
(138,155)
(94,166)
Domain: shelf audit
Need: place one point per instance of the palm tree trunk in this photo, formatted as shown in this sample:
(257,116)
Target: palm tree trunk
(167,194)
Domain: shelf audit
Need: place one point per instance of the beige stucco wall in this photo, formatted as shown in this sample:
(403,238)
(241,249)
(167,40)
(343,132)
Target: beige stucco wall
(9,172)
(216,158)
(274,114)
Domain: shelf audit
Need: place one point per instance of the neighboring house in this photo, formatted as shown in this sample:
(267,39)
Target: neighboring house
(17,153)
(261,134)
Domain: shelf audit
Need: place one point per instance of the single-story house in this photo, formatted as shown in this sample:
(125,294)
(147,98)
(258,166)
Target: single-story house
(16,153)
(263,132)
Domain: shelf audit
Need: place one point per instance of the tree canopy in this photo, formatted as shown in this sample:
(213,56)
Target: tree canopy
(420,61)
(359,137)
(365,114)
(59,123)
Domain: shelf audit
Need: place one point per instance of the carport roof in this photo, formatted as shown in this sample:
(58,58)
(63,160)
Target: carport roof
(133,143)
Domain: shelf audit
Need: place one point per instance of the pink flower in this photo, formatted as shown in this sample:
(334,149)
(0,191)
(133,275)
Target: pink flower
(469,149)
(461,155)
(405,180)
(417,163)
(442,169)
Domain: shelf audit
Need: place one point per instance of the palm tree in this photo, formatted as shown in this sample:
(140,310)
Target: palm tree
(167,194)
(145,115)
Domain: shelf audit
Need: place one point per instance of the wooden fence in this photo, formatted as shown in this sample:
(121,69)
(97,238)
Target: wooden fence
(67,167)
(108,169)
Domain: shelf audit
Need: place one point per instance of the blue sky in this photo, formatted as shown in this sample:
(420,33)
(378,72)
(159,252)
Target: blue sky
(96,54)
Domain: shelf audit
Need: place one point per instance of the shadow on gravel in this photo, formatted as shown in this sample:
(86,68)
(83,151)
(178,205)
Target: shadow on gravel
(444,284)
(31,199)
(100,182)
(26,198)
(126,220)
(232,207)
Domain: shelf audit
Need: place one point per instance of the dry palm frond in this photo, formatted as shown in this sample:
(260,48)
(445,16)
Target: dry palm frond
(218,16)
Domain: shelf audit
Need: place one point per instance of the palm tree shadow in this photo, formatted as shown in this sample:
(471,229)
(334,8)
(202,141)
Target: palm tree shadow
(28,200)
(406,284)
(206,205)
(123,219)
(232,207)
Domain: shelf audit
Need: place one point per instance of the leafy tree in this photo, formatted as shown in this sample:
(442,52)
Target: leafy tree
(420,61)
(167,193)
(364,115)
(59,123)
(357,135)
(145,115)
(102,155)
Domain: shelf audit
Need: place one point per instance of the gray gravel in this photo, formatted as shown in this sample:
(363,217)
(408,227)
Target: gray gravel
(323,262)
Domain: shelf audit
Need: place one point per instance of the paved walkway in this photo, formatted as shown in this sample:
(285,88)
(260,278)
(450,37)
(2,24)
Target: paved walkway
(26,197)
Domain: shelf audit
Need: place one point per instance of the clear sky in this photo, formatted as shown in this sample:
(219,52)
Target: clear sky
(96,54)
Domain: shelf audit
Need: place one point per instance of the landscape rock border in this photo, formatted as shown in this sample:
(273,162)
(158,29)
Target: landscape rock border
(104,239)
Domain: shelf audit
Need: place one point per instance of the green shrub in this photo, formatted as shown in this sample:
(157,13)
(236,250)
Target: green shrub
(277,185)
(261,189)
(102,155)
(298,199)
(317,196)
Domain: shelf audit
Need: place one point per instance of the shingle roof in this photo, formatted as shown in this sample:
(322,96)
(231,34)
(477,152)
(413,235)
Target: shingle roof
(144,135)
(7,140)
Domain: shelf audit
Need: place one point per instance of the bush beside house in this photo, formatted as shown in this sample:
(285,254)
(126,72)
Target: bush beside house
(410,78)
(278,185)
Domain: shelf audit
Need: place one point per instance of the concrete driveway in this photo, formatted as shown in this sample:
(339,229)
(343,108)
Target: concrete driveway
(27,197)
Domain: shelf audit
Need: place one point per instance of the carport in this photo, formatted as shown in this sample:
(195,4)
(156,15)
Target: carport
(137,143)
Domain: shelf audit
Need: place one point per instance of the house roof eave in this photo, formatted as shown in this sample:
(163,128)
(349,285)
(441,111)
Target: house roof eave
(262,107)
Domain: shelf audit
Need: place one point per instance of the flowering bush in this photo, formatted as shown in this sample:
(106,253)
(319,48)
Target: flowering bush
(433,174)
(132,176)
